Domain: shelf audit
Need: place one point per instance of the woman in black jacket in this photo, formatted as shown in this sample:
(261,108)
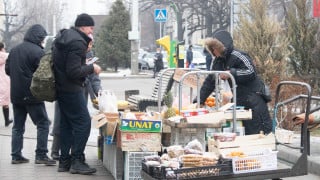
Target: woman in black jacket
(249,85)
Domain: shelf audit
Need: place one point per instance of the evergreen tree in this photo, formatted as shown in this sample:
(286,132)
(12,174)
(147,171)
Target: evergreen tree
(263,38)
(112,44)
(302,30)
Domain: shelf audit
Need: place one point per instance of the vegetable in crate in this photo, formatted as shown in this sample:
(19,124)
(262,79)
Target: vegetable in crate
(168,99)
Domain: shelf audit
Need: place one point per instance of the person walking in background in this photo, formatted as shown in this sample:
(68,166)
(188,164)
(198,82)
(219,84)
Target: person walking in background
(69,57)
(158,62)
(208,58)
(249,85)
(189,56)
(4,86)
(22,62)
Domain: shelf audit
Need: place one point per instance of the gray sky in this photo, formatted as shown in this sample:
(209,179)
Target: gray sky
(92,7)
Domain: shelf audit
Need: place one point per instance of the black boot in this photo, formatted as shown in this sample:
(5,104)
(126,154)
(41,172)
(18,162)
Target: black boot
(78,166)
(55,148)
(64,165)
(6,116)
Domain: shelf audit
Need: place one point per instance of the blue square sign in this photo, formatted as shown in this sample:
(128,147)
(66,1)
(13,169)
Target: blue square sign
(160,15)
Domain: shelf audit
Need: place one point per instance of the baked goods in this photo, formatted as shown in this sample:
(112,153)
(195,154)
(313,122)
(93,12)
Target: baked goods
(191,160)
(175,151)
(223,137)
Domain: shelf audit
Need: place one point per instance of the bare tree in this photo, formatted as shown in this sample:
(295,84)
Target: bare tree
(195,15)
(210,15)
(14,25)
(28,12)
(48,13)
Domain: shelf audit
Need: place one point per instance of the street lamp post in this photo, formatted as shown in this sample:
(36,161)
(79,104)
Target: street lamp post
(134,36)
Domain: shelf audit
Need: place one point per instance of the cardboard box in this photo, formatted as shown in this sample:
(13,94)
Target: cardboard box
(243,143)
(130,141)
(104,118)
(131,125)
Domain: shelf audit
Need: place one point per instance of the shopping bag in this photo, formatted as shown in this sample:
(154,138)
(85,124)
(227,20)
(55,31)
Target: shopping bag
(107,101)
(225,91)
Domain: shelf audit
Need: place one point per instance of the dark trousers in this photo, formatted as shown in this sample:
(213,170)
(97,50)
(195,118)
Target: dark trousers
(56,120)
(261,120)
(75,124)
(39,117)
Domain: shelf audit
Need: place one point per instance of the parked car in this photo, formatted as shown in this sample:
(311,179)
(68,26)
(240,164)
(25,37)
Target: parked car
(199,60)
(146,60)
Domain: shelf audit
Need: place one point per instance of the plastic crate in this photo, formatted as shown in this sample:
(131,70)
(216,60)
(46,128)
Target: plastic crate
(133,165)
(255,161)
(157,172)
(224,167)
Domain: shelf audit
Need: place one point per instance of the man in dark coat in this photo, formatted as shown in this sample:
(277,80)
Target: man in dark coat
(158,62)
(189,56)
(69,57)
(22,62)
(249,85)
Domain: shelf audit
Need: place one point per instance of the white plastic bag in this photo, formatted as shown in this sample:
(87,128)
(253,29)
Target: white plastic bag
(107,101)
(226,93)
(185,99)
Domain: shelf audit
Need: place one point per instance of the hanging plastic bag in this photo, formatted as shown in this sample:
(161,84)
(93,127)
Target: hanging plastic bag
(107,101)
(185,99)
(226,93)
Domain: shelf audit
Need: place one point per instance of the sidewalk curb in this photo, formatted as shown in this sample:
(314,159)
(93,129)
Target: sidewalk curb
(127,77)
(293,155)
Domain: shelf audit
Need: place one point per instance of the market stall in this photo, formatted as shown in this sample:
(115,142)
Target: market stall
(232,157)
(136,150)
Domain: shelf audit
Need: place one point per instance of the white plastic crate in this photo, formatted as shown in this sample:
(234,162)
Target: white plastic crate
(261,160)
(133,165)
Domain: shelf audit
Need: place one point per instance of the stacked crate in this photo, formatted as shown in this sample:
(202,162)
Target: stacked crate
(138,138)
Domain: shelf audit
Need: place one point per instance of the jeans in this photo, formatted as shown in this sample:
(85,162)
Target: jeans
(39,117)
(75,124)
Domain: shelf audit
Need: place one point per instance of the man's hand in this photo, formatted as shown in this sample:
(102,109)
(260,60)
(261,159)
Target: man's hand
(96,68)
(300,118)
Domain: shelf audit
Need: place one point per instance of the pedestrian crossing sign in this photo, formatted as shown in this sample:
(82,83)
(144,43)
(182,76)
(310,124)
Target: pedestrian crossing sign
(160,15)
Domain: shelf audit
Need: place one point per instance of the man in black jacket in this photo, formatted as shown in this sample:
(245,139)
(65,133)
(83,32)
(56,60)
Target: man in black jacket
(22,62)
(158,62)
(69,57)
(249,85)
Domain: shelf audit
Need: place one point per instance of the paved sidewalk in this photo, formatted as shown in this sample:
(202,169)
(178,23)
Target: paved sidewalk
(292,155)
(32,171)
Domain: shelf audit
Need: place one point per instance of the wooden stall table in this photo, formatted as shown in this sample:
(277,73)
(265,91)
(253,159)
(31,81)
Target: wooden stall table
(194,127)
(184,130)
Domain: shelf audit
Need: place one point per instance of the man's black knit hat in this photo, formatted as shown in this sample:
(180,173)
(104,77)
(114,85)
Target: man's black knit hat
(84,20)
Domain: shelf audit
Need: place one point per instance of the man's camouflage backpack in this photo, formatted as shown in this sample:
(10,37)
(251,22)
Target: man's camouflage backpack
(43,81)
